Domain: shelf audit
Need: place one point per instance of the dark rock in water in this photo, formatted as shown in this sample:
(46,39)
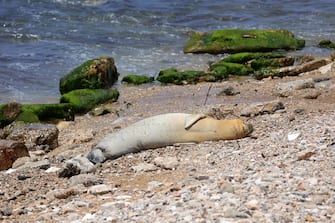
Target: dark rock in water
(326,43)
(36,135)
(237,40)
(93,74)
(83,100)
(10,151)
(137,79)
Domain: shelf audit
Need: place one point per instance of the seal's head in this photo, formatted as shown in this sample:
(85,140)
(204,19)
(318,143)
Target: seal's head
(96,155)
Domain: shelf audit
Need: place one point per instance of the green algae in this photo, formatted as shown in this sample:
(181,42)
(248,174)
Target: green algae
(92,74)
(137,79)
(84,100)
(238,40)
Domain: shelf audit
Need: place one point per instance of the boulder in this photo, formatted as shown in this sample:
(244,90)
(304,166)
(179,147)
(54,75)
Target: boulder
(186,77)
(84,100)
(9,112)
(237,40)
(10,151)
(292,70)
(93,74)
(36,135)
(225,69)
(137,79)
(326,43)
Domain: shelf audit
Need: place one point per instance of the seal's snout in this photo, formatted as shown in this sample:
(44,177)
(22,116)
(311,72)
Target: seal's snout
(249,128)
(96,156)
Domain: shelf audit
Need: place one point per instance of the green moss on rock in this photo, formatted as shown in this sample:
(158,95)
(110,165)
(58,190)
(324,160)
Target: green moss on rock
(137,79)
(84,100)
(243,58)
(268,63)
(237,40)
(225,69)
(186,77)
(93,74)
(326,44)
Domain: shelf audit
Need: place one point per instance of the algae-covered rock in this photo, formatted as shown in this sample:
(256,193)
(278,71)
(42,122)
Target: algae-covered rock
(268,63)
(243,58)
(93,74)
(186,77)
(84,100)
(326,44)
(225,69)
(32,113)
(137,79)
(237,40)
(42,112)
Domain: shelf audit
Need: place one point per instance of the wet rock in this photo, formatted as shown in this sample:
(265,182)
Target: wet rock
(93,74)
(75,166)
(35,135)
(10,151)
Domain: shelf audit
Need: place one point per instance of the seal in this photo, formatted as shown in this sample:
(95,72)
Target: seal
(167,129)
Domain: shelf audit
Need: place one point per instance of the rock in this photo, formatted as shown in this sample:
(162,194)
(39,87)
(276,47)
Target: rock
(226,187)
(310,93)
(144,167)
(285,89)
(261,109)
(326,43)
(86,179)
(237,40)
(75,166)
(83,100)
(10,151)
(293,136)
(137,79)
(93,74)
(100,189)
(169,163)
(253,205)
(65,193)
(9,112)
(37,135)
(21,161)
(303,68)
(228,91)
(42,164)
(174,76)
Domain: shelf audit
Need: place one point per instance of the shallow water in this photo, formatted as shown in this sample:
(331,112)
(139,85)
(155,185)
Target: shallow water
(43,40)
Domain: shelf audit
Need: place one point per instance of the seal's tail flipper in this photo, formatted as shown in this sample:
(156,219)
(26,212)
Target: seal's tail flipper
(191,119)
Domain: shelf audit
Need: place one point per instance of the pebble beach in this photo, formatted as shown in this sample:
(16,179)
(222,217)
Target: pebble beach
(283,172)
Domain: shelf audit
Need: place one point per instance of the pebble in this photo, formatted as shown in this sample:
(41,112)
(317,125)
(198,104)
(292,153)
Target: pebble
(100,189)
(169,163)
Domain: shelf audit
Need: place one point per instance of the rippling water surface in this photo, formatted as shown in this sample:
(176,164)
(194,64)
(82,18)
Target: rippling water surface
(41,40)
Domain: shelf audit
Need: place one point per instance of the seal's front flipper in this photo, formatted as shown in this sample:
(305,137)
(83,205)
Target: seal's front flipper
(191,119)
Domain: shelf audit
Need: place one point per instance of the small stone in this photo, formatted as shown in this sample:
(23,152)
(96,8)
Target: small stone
(253,205)
(42,164)
(86,179)
(100,189)
(144,167)
(52,169)
(293,136)
(168,163)
(226,187)
(154,184)
(228,91)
